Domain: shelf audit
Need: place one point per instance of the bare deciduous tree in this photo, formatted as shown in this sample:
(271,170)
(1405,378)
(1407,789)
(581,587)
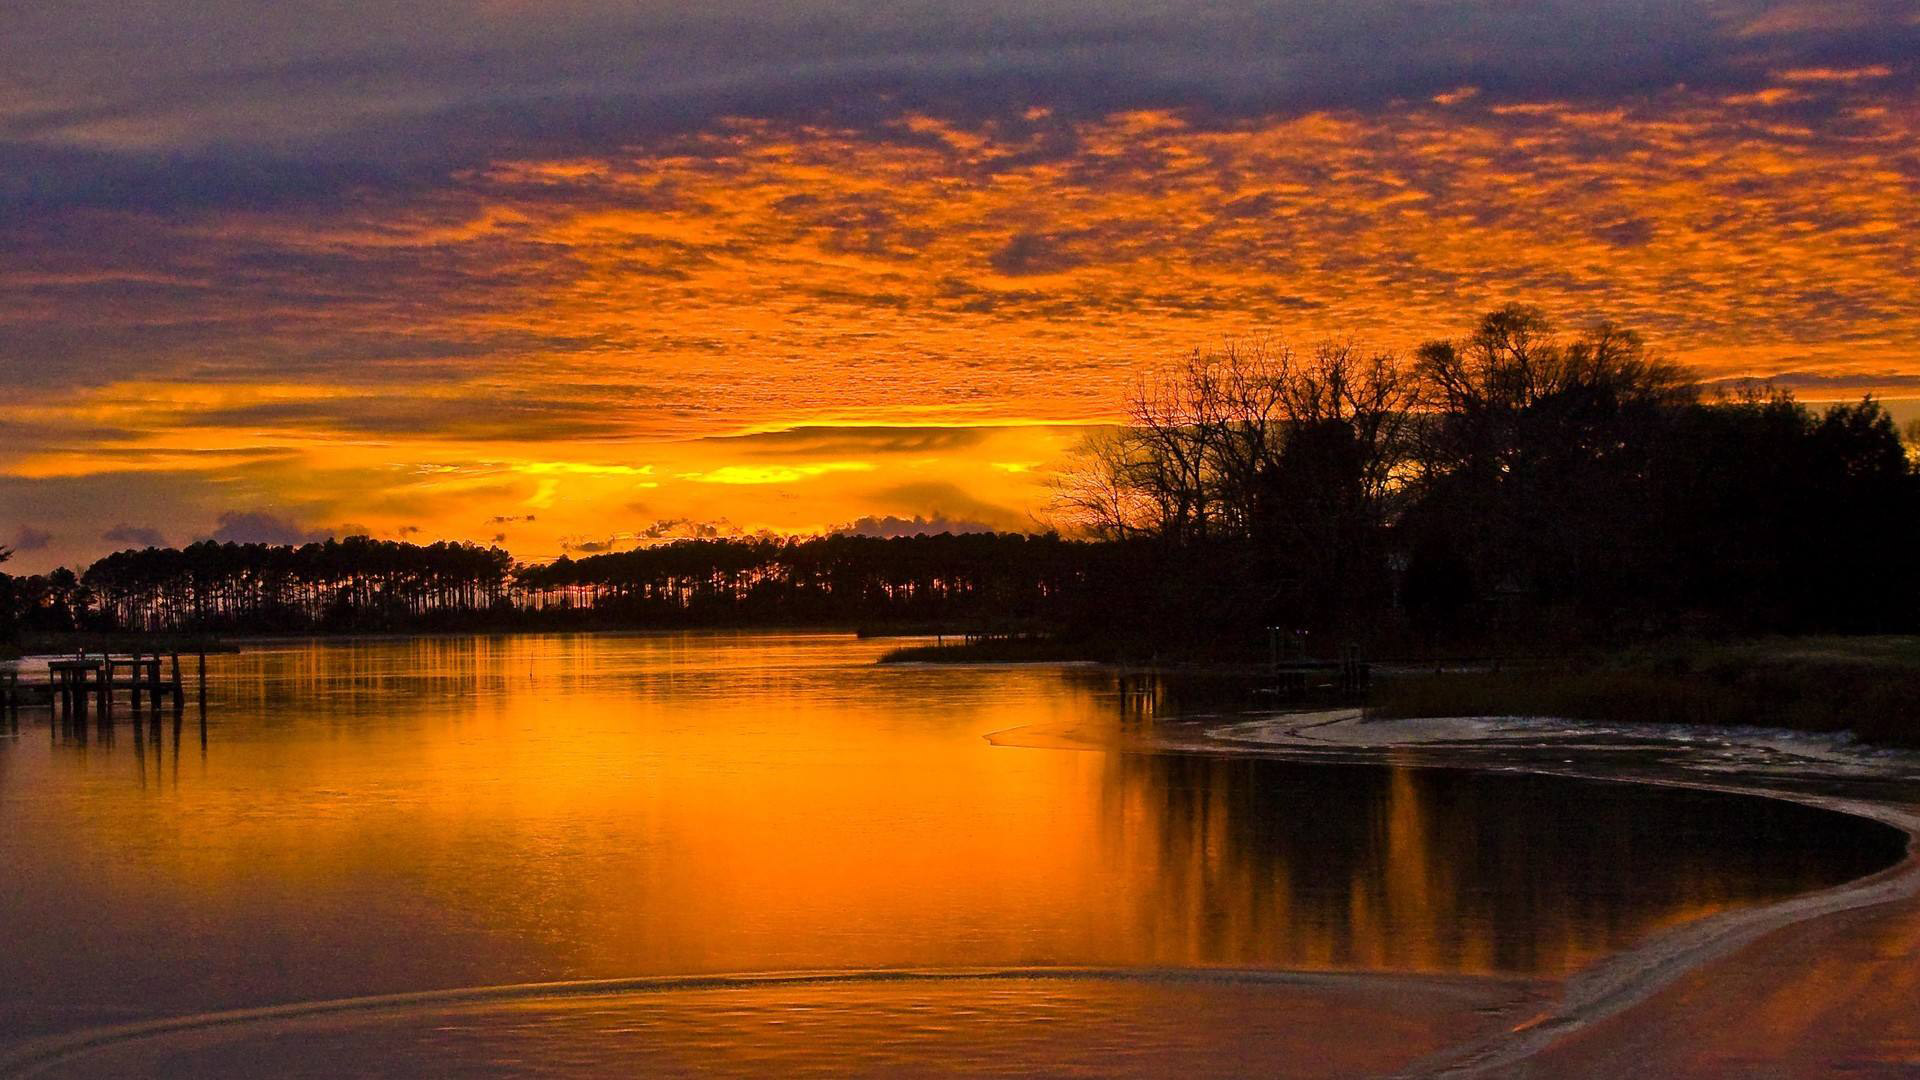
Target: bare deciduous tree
(1205,438)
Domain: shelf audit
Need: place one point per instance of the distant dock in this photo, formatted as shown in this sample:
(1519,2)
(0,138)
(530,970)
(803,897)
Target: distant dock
(72,686)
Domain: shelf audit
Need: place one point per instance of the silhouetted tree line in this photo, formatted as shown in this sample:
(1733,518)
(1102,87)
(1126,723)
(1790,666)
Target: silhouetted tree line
(1511,487)
(982,577)
(364,584)
(354,583)
(51,601)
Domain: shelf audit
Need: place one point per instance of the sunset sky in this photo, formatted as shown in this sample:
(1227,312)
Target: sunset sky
(576,275)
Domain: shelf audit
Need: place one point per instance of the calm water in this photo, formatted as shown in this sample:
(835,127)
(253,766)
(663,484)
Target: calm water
(391,816)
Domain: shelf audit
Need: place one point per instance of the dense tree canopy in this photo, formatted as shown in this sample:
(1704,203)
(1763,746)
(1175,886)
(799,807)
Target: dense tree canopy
(1515,485)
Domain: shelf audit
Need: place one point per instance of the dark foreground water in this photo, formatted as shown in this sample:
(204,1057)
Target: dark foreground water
(388,817)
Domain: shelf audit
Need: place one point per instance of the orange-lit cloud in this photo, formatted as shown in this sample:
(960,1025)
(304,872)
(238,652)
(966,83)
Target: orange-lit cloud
(904,311)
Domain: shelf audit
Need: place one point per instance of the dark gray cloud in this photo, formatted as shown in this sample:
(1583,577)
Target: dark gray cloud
(890,525)
(135,535)
(510,413)
(822,439)
(28,538)
(1035,253)
(228,103)
(1818,380)
(687,529)
(681,528)
(261,527)
(922,505)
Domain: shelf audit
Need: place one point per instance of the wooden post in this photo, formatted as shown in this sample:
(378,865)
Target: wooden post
(179,695)
(203,683)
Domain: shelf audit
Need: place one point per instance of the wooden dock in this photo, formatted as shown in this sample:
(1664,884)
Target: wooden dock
(74,685)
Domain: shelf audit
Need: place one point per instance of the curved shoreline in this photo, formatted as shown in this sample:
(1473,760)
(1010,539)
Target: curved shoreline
(1630,977)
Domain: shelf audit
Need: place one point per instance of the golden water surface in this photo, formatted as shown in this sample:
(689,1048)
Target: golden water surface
(382,816)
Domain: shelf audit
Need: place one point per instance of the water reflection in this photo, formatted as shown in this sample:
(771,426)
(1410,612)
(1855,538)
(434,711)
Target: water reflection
(1292,864)
(380,816)
(1114,1024)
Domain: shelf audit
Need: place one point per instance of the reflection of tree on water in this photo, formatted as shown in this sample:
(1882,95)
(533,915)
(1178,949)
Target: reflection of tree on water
(1309,865)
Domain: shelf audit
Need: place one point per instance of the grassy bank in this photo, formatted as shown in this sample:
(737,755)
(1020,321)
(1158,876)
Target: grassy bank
(1869,686)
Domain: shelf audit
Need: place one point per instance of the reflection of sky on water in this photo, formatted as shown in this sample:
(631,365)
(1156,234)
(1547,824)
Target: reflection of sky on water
(381,816)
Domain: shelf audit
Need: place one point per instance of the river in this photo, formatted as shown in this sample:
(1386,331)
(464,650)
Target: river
(536,840)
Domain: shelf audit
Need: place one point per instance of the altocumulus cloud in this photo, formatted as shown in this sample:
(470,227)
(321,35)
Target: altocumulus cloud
(339,257)
(197,103)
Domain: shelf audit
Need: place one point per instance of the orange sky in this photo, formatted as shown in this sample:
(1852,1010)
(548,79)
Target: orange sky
(794,324)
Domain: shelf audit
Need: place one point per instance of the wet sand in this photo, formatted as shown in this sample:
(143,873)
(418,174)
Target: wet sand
(1834,995)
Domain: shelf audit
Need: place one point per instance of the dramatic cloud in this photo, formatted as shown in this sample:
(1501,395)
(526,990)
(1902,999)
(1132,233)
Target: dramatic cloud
(465,264)
(219,102)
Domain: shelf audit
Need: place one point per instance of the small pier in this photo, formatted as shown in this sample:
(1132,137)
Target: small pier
(1293,675)
(73,686)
